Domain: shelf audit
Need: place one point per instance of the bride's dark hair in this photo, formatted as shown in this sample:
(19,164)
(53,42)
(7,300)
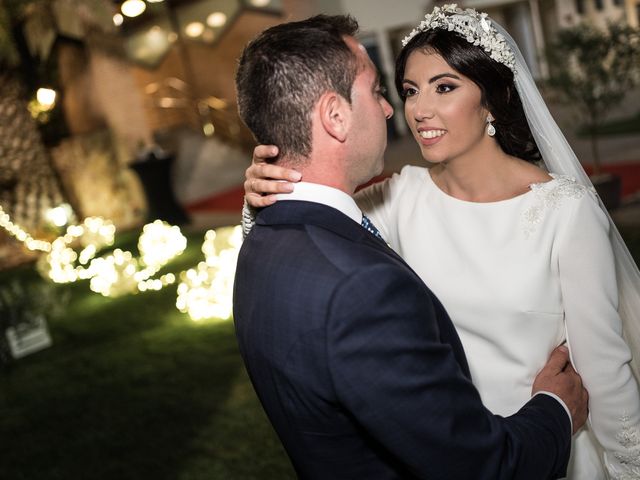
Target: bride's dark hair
(494,79)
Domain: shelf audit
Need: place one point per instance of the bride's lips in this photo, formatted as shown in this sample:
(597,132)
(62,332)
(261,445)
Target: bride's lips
(430,136)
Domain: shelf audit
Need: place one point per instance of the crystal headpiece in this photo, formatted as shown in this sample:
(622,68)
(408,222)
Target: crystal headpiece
(474,27)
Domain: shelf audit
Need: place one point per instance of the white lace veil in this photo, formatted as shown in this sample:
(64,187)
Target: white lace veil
(559,158)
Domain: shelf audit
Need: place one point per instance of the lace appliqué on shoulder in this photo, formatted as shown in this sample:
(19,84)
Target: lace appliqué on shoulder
(549,196)
(629,461)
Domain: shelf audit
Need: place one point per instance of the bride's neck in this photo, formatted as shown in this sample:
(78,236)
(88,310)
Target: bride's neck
(478,176)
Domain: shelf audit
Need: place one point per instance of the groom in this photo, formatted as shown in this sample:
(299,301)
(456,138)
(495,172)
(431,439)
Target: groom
(355,361)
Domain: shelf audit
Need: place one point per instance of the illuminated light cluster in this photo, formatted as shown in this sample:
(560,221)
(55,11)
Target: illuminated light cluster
(98,232)
(118,273)
(22,236)
(59,216)
(207,290)
(160,243)
(204,292)
(157,283)
(59,265)
(114,275)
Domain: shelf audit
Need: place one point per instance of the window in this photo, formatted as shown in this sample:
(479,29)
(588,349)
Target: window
(580,6)
(599,4)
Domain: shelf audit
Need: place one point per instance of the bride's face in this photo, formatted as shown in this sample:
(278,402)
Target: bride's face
(443,108)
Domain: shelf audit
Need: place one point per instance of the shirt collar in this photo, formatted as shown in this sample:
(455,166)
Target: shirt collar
(329,196)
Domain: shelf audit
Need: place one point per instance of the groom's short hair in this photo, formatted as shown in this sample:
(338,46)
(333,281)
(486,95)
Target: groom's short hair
(283,73)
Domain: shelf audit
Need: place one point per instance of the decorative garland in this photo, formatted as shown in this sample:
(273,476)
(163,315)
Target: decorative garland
(203,292)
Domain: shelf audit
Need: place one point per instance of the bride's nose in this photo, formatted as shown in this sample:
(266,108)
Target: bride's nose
(423,108)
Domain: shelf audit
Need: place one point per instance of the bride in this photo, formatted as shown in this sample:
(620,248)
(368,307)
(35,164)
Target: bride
(490,231)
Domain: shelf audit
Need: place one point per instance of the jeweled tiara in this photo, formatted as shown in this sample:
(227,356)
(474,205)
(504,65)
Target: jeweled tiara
(474,27)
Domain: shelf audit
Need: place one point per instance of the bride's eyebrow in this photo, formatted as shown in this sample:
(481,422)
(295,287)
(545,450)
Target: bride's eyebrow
(433,79)
(443,75)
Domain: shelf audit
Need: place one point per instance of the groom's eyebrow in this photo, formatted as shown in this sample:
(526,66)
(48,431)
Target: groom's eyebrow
(376,82)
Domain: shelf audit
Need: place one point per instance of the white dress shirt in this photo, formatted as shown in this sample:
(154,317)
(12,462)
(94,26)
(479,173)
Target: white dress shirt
(329,196)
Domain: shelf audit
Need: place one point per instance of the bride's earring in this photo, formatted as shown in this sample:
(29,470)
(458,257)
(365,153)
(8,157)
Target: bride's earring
(491,130)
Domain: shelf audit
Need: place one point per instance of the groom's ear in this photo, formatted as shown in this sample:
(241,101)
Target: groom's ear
(335,115)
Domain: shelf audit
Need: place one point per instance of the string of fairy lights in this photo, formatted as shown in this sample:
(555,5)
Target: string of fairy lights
(203,292)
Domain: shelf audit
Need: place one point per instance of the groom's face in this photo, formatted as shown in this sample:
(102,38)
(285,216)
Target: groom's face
(370,110)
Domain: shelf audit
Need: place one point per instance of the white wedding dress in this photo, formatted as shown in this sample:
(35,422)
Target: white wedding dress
(518,277)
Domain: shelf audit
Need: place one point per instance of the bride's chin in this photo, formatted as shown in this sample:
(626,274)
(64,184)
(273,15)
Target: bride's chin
(434,162)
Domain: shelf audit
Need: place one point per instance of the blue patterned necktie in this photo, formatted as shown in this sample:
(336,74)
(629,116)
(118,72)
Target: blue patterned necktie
(370,227)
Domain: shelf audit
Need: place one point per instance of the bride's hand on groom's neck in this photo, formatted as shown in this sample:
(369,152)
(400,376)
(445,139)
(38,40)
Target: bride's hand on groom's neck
(265,180)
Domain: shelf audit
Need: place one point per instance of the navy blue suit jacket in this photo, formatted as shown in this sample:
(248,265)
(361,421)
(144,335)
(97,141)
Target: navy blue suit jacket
(360,369)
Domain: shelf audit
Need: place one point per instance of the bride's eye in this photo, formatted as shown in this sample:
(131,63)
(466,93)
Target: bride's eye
(409,92)
(445,88)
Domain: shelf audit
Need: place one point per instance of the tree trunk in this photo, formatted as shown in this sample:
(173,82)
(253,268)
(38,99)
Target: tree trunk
(595,154)
(28,183)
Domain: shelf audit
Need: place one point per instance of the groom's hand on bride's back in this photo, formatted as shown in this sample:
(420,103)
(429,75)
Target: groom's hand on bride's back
(559,377)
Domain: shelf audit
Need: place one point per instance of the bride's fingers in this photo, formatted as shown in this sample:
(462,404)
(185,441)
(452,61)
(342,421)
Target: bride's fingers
(258,201)
(262,186)
(274,172)
(263,152)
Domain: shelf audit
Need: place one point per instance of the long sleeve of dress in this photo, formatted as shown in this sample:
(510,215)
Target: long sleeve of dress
(594,332)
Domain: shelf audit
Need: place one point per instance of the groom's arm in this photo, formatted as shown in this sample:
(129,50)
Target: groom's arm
(405,387)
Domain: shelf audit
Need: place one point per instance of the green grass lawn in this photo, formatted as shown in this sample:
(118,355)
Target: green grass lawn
(133,389)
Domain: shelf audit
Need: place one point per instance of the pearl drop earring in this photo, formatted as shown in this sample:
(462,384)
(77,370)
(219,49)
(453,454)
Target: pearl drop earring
(491,130)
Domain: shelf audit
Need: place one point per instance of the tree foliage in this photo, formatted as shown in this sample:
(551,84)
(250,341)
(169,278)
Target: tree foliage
(593,69)
(8,54)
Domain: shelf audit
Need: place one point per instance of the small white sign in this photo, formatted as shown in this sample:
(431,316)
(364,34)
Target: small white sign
(24,339)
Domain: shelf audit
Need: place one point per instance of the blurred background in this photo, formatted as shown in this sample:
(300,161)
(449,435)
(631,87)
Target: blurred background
(122,159)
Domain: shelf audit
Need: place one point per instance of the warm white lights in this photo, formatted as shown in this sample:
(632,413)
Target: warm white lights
(118,19)
(156,38)
(216,19)
(46,97)
(260,3)
(22,236)
(159,243)
(194,29)
(94,234)
(204,292)
(133,8)
(60,215)
(208,129)
(207,291)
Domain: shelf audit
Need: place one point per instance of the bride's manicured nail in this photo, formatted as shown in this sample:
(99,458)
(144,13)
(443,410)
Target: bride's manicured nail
(296,176)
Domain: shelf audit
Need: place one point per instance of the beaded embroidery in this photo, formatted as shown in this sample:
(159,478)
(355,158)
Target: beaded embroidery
(474,27)
(629,438)
(549,196)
